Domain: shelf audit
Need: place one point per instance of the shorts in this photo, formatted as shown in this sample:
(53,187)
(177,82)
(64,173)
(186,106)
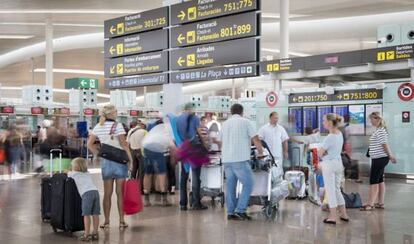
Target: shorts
(377,170)
(113,171)
(155,162)
(90,203)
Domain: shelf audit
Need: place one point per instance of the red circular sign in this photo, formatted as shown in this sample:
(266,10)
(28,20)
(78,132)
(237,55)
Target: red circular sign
(406,92)
(272,99)
(406,115)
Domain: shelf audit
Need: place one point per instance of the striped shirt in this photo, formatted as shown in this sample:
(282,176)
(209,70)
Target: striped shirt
(236,135)
(378,138)
(102,132)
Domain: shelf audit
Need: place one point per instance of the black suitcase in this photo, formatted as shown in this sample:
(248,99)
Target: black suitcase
(46,190)
(58,202)
(45,198)
(73,207)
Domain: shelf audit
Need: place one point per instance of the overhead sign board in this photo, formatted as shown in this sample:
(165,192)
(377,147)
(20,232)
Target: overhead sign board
(134,23)
(215,30)
(388,54)
(339,96)
(282,65)
(138,43)
(197,10)
(38,110)
(137,81)
(333,60)
(222,53)
(81,83)
(215,73)
(137,64)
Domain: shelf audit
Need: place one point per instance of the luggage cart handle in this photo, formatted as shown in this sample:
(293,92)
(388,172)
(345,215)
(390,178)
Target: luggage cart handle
(51,160)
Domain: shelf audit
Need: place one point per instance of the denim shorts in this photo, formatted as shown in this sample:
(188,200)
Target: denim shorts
(113,171)
(90,203)
(155,162)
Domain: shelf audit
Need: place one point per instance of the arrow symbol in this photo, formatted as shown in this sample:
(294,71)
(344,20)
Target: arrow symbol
(180,38)
(83,83)
(112,70)
(180,61)
(112,29)
(181,15)
(112,50)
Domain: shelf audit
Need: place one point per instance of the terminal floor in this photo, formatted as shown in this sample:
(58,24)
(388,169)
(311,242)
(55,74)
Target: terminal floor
(297,221)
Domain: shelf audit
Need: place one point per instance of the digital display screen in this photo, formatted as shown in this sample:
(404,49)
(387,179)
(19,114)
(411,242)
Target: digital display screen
(310,117)
(37,110)
(357,119)
(321,112)
(296,120)
(7,110)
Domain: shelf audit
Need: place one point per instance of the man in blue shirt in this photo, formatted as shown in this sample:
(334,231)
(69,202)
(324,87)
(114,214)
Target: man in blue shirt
(187,127)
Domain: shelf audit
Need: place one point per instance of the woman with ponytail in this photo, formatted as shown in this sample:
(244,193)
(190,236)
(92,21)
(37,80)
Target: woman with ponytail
(333,169)
(112,172)
(380,154)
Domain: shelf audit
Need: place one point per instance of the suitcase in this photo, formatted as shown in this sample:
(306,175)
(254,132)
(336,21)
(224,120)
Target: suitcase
(58,201)
(46,191)
(72,208)
(297,166)
(297,184)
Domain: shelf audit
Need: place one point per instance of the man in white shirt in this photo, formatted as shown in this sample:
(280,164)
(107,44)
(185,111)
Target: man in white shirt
(275,137)
(236,137)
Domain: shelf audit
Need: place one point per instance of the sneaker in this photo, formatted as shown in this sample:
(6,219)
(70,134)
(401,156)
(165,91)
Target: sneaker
(243,216)
(183,208)
(231,217)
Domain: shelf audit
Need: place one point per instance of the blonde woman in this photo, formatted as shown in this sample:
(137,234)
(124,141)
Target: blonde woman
(112,172)
(380,154)
(332,168)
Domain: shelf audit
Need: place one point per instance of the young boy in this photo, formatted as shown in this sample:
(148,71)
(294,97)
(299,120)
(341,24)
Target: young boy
(90,198)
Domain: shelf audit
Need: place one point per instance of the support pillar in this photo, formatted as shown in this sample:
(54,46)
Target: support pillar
(49,52)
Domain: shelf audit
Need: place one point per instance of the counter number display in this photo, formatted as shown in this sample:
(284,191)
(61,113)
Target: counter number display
(145,21)
(220,29)
(341,95)
(197,10)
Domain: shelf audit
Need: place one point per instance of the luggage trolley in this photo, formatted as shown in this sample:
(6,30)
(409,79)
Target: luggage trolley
(269,187)
(212,180)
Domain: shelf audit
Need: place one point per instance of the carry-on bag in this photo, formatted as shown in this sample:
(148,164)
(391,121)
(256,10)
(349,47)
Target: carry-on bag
(296,151)
(132,197)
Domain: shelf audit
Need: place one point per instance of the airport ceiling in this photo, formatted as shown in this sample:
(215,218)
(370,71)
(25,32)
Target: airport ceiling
(26,18)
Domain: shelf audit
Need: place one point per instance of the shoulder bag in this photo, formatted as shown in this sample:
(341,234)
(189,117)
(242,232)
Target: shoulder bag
(111,149)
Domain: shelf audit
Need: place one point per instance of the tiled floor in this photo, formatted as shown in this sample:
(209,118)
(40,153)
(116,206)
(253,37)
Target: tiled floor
(297,222)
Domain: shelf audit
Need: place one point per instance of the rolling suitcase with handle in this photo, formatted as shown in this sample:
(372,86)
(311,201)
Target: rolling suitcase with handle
(297,177)
(46,191)
(73,219)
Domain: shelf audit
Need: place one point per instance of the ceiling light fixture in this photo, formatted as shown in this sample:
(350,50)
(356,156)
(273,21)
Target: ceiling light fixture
(55,24)
(68,11)
(298,54)
(16,36)
(277,16)
(72,71)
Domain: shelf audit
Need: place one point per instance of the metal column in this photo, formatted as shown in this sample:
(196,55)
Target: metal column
(49,52)
(284,28)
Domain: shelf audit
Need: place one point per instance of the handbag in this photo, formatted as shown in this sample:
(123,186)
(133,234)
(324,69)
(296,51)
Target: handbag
(132,197)
(352,200)
(110,149)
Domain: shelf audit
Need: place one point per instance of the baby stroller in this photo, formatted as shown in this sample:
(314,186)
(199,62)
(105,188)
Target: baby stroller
(269,187)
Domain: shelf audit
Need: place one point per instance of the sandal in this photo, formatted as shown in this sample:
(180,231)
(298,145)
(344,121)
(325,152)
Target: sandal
(123,225)
(105,226)
(85,238)
(328,221)
(379,205)
(344,219)
(367,208)
(95,237)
